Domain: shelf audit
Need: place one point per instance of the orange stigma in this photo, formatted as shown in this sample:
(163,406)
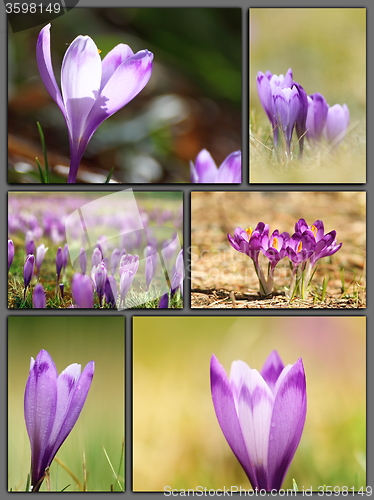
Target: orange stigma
(300,246)
(314,230)
(275,243)
(249,231)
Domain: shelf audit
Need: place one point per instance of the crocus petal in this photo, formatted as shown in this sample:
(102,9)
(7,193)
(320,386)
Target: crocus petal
(113,60)
(205,167)
(44,61)
(271,370)
(228,420)
(287,421)
(80,83)
(255,405)
(40,409)
(231,169)
(124,84)
(75,398)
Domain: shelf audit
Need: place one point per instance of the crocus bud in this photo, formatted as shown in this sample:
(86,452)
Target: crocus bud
(100,275)
(52,406)
(82,290)
(29,243)
(114,261)
(316,118)
(38,297)
(65,256)
(10,253)
(40,254)
(28,270)
(97,257)
(110,291)
(261,415)
(59,262)
(337,122)
(164,301)
(286,109)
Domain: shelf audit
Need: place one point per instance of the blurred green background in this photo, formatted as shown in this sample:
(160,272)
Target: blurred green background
(174,423)
(326,49)
(101,422)
(192,101)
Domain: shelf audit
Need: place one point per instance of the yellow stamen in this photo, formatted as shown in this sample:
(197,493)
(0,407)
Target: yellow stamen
(300,246)
(249,231)
(314,230)
(99,51)
(275,243)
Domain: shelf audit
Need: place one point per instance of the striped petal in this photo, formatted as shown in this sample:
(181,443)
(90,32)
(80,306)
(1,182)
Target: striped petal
(272,369)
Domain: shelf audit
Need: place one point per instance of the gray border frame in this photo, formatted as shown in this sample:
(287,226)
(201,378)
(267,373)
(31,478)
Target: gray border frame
(369,187)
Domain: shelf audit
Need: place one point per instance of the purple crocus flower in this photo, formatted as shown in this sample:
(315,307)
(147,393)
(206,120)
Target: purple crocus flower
(110,291)
(82,290)
(265,85)
(40,254)
(300,125)
(127,269)
(97,257)
(30,243)
(204,170)
(325,247)
(38,297)
(164,302)
(10,253)
(83,261)
(65,256)
(28,270)
(92,89)
(52,406)
(316,117)
(59,262)
(151,257)
(261,415)
(114,260)
(337,122)
(99,275)
(287,106)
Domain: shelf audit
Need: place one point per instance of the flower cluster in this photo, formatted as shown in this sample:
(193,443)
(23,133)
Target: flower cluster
(261,415)
(288,107)
(304,248)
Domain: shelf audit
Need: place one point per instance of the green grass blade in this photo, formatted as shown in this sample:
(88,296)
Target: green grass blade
(109,175)
(42,140)
(42,179)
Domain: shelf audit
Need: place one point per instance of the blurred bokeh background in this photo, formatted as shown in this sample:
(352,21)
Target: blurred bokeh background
(326,49)
(174,423)
(101,423)
(192,101)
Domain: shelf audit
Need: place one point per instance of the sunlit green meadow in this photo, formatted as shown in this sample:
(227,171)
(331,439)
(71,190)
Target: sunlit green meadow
(174,423)
(326,49)
(101,423)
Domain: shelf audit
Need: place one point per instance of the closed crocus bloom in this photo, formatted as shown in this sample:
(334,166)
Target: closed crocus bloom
(59,262)
(286,109)
(337,122)
(110,291)
(205,170)
(83,261)
(300,125)
(92,89)
(114,260)
(164,301)
(97,257)
(130,262)
(28,270)
(38,297)
(40,254)
(82,290)
(316,117)
(99,276)
(52,406)
(262,415)
(10,253)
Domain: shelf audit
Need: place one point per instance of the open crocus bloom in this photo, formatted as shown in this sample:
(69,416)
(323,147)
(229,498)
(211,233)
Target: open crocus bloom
(262,415)
(205,170)
(52,406)
(92,89)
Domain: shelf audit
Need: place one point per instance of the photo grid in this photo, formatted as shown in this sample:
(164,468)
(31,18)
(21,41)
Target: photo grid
(170,168)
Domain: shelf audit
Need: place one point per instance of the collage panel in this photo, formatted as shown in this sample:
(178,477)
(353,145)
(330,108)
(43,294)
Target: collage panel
(95,250)
(66,403)
(290,408)
(130,95)
(307,95)
(278,249)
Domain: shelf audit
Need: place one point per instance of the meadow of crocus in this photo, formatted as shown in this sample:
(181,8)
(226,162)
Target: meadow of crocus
(175,417)
(95,250)
(86,432)
(307,117)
